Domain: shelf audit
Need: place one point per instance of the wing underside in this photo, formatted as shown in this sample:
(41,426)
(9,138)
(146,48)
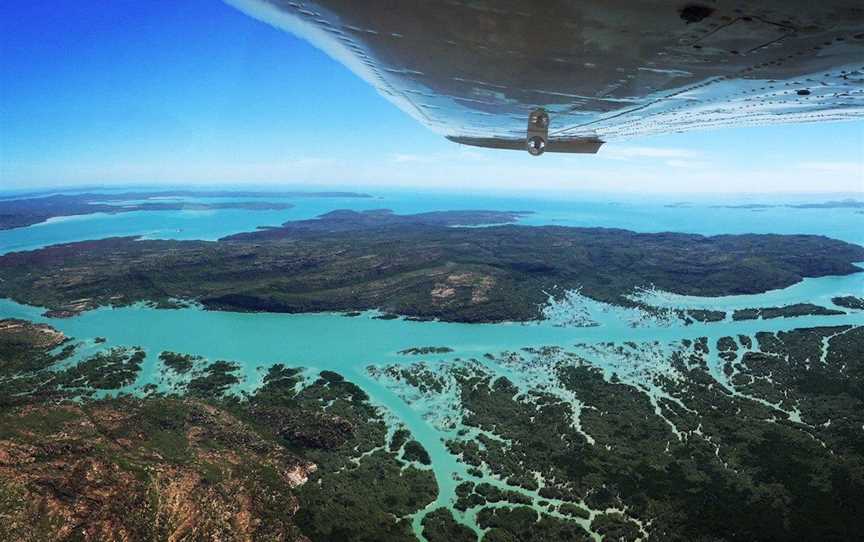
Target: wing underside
(473,70)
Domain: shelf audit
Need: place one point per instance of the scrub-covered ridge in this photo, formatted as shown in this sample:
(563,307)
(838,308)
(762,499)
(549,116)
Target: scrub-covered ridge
(298,458)
(421,265)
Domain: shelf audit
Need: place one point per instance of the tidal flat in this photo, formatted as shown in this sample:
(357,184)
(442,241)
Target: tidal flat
(603,410)
(547,421)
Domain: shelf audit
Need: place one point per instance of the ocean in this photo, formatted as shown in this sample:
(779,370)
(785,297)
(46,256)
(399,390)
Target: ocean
(350,345)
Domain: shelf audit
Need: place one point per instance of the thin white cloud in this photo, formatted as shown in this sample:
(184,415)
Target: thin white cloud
(688,164)
(460,153)
(473,154)
(410,158)
(623,152)
(646,170)
(845,168)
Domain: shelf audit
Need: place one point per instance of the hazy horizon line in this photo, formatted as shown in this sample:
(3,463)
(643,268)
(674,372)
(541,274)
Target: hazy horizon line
(426,188)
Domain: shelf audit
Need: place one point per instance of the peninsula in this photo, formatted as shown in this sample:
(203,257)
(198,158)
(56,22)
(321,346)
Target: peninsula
(430,265)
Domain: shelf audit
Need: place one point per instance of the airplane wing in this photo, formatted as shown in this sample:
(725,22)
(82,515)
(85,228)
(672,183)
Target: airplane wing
(479,71)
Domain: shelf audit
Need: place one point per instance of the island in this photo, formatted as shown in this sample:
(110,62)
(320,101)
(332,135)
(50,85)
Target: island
(847,203)
(424,350)
(849,302)
(19,212)
(798,309)
(459,266)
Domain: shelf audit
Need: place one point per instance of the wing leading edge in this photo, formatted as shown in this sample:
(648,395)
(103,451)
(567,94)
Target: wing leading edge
(603,70)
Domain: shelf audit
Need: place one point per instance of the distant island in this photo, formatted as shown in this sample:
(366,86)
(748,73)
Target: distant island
(347,221)
(26,211)
(848,203)
(422,265)
(840,204)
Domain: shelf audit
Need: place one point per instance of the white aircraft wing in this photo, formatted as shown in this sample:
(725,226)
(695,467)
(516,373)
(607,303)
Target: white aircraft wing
(602,70)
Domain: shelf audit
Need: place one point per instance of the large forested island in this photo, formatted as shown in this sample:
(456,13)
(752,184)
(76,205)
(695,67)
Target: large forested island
(429,265)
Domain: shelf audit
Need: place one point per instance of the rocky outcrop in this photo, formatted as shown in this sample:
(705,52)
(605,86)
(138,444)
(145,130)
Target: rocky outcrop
(130,470)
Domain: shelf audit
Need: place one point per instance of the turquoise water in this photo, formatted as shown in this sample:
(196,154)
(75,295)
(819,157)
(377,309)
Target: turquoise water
(351,345)
(614,211)
(818,291)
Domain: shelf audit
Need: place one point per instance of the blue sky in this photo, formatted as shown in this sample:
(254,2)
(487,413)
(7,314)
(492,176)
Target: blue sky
(131,92)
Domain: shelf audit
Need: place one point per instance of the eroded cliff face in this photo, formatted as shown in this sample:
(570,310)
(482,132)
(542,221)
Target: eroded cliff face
(122,471)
